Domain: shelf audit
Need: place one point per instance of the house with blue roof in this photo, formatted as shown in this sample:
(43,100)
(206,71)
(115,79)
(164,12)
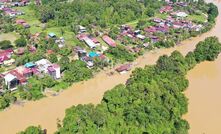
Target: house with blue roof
(30,65)
(93,54)
(52,35)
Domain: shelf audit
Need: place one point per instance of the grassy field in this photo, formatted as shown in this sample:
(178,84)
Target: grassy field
(162,16)
(9,36)
(36,25)
(199,18)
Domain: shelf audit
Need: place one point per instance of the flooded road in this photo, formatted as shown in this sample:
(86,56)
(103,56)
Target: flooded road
(204,94)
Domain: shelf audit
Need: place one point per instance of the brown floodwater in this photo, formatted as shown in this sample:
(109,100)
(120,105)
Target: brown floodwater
(204,94)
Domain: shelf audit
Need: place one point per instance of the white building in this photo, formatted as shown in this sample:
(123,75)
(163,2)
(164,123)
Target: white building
(90,43)
(181,14)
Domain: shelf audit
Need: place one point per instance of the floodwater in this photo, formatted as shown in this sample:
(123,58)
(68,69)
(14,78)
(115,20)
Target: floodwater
(204,94)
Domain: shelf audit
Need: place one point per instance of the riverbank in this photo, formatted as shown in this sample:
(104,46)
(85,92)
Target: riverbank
(46,111)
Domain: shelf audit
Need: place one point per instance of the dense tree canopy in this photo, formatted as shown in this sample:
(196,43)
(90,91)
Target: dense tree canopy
(98,12)
(21,42)
(151,102)
(5,44)
(204,51)
(32,130)
(77,71)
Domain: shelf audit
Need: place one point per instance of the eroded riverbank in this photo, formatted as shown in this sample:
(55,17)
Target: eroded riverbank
(46,111)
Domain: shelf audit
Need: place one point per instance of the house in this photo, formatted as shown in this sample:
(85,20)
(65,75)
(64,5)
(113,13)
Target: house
(136,32)
(79,52)
(11,81)
(50,51)
(23,23)
(139,36)
(157,20)
(54,71)
(47,67)
(93,54)
(20,51)
(29,65)
(82,36)
(182,4)
(198,27)
(20,21)
(96,41)
(32,48)
(22,80)
(5,55)
(163,28)
(27,72)
(43,65)
(146,44)
(88,61)
(154,39)
(181,14)
(178,25)
(124,68)
(51,35)
(60,42)
(166,9)
(109,41)
(82,29)
(9,62)
(151,29)
(103,57)
(90,43)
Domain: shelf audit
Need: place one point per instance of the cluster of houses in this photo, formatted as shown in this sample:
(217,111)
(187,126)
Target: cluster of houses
(129,32)
(20,75)
(95,46)
(7,7)
(88,57)
(10,12)
(174,20)
(15,2)
(60,41)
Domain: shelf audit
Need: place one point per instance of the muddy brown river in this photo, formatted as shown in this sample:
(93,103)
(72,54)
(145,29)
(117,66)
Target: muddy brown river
(204,94)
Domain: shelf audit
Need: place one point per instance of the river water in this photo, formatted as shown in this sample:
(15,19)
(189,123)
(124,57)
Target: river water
(204,94)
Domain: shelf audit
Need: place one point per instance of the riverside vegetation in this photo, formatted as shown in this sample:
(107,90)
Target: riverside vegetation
(152,100)
(75,71)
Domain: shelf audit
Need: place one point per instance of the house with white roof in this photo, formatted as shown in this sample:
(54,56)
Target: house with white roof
(11,81)
(90,43)
(47,67)
(181,14)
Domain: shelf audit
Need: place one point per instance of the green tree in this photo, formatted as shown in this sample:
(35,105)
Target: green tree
(33,130)
(53,58)
(5,44)
(21,42)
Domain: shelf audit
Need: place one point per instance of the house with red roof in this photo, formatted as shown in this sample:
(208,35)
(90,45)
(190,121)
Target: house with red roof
(124,68)
(22,22)
(5,55)
(13,79)
(166,9)
(109,41)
